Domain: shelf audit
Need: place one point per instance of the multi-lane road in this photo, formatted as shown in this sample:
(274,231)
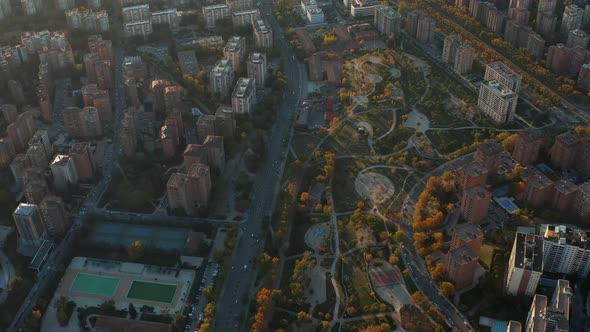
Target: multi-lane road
(415,264)
(240,278)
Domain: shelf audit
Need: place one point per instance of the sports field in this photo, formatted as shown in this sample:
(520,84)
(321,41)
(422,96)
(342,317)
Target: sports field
(95,284)
(150,291)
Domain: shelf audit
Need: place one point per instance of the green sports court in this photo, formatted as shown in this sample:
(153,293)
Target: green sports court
(95,284)
(150,291)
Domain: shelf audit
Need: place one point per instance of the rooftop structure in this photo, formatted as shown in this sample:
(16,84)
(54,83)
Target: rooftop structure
(525,266)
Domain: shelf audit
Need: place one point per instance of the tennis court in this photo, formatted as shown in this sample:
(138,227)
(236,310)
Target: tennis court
(150,291)
(95,284)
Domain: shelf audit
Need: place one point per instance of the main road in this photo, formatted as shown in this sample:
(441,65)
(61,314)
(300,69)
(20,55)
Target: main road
(240,278)
(415,264)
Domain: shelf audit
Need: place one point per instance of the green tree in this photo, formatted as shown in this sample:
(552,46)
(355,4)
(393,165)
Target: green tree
(135,250)
(208,293)
(15,283)
(132,311)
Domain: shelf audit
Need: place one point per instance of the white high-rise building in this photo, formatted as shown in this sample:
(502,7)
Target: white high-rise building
(565,250)
(221,78)
(31,7)
(256,68)
(167,16)
(136,13)
(243,96)
(387,20)
(215,12)
(525,266)
(572,19)
(29,222)
(64,4)
(5,9)
(498,94)
(64,172)
(138,28)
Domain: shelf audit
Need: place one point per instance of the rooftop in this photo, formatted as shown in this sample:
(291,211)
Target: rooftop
(568,139)
(514,326)
(80,148)
(564,235)
(530,135)
(215,141)
(41,255)
(474,169)
(468,232)
(136,7)
(490,148)
(222,67)
(565,186)
(25,209)
(463,255)
(497,88)
(61,160)
(234,44)
(257,57)
(223,110)
(213,7)
(579,33)
(247,12)
(198,170)
(506,164)
(388,11)
(177,179)
(529,252)
(539,314)
(261,26)
(503,69)
(478,192)
(243,87)
(562,298)
(538,180)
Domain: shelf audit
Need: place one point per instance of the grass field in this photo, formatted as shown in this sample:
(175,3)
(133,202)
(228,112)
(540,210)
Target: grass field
(94,284)
(149,291)
(485,255)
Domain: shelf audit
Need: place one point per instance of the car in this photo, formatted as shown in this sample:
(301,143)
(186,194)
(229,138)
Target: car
(245,266)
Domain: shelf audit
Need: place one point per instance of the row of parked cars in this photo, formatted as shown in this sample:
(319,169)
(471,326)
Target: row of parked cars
(196,314)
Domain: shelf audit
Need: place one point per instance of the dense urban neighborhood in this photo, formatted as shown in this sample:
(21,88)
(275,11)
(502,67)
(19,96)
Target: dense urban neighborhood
(285,165)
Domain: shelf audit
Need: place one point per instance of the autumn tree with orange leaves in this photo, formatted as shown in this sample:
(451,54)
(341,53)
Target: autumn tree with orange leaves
(263,299)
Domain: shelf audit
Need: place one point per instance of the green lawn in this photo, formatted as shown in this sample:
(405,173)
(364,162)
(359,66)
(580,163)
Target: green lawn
(150,291)
(95,284)
(485,255)
(360,282)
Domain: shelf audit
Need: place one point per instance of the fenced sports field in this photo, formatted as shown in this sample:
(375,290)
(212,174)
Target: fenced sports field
(90,282)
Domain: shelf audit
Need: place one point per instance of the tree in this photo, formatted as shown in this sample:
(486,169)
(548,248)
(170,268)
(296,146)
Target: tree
(303,316)
(419,299)
(304,198)
(208,293)
(509,142)
(135,250)
(15,283)
(132,311)
(209,309)
(179,320)
(447,289)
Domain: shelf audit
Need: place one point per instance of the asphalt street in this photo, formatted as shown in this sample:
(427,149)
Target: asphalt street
(240,279)
(415,264)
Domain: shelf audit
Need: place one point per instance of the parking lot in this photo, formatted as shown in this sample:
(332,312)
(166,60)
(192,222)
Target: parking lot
(195,315)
